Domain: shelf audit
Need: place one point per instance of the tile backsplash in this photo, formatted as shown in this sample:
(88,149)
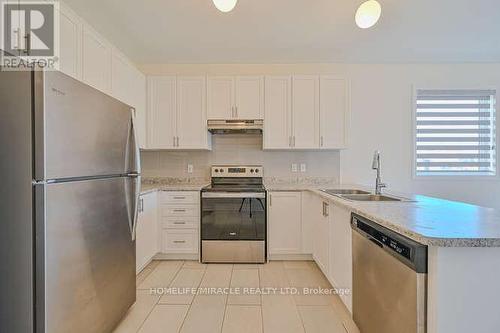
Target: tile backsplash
(241,149)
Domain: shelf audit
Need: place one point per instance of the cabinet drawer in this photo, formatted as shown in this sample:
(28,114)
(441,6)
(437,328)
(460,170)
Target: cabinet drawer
(180,211)
(180,241)
(180,222)
(181,197)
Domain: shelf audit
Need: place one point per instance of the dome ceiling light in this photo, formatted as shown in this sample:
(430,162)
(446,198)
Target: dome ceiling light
(368,14)
(225,6)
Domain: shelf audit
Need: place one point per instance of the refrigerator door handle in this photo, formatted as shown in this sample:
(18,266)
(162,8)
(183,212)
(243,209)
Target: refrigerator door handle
(137,200)
(136,174)
(137,151)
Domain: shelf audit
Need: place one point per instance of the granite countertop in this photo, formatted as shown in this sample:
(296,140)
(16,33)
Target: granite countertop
(172,184)
(430,221)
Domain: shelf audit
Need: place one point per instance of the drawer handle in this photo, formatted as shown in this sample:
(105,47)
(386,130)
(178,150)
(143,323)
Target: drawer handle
(179,242)
(179,198)
(232,234)
(179,210)
(179,222)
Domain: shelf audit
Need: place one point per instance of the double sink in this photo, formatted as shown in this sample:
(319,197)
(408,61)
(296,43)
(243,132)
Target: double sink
(359,195)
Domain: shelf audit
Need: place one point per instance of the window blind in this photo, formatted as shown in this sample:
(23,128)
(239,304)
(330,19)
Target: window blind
(456,132)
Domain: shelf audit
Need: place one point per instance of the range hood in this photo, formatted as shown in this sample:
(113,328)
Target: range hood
(235,126)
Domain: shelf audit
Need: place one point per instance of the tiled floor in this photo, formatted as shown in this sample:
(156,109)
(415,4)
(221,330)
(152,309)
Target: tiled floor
(278,312)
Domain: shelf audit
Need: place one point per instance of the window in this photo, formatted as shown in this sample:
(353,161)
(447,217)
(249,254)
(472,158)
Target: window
(455,133)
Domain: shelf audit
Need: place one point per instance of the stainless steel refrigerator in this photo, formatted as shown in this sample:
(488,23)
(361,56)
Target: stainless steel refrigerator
(70,170)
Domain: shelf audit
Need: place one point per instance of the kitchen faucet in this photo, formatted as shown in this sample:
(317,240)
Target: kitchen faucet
(376,166)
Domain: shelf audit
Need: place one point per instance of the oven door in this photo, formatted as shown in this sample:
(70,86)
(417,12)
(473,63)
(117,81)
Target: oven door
(233,216)
(233,227)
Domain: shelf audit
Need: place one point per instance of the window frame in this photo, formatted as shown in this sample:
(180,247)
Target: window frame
(414,96)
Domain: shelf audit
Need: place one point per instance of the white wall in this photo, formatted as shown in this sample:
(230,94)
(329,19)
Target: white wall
(243,150)
(381,117)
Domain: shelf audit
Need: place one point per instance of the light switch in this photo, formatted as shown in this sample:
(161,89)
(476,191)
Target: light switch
(303,167)
(294,167)
(190,168)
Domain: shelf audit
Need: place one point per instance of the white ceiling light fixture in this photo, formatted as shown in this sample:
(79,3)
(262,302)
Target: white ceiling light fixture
(225,5)
(368,14)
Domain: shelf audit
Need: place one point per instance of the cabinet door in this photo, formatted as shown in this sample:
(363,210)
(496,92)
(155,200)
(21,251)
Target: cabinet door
(147,231)
(96,60)
(333,112)
(321,235)
(284,221)
(341,252)
(138,85)
(249,97)
(308,222)
(122,76)
(277,112)
(220,97)
(191,113)
(162,112)
(305,112)
(70,61)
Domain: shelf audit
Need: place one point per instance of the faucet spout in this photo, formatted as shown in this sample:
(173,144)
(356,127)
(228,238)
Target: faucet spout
(376,165)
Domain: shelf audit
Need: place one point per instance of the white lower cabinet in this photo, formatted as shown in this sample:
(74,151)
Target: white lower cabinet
(321,242)
(146,230)
(180,221)
(285,223)
(331,242)
(340,273)
(180,241)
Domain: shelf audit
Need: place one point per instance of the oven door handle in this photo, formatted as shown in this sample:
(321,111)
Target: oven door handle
(258,195)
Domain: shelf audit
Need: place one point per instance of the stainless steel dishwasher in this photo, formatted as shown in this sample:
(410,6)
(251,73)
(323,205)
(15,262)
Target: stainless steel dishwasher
(389,280)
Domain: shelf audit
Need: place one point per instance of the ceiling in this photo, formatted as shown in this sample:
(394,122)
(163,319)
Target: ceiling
(297,31)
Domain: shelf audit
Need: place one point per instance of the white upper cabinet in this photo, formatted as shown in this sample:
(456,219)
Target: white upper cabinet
(249,97)
(129,86)
(177,116)
(70,61)
(312,114)
(277,123)
(305,112)
(138,85)
(333,112)
(122,74)
(240,97)
(87,56)
(191,113)
(162,112)
(96,60)
(220,98)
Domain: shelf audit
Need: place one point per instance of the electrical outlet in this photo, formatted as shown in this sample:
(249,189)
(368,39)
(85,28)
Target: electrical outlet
(294,167)
(303,167)
(190,168)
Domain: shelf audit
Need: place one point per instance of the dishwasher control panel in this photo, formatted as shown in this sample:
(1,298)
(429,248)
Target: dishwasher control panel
(409,251)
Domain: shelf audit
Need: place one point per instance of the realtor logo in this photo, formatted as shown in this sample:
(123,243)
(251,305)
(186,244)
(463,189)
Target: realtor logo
(30,35)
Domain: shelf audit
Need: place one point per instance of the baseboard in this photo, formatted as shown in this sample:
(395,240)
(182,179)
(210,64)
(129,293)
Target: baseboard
(144,266)
(176,256)
(290,257)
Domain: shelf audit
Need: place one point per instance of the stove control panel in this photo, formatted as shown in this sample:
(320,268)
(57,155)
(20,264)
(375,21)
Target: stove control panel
(253,171)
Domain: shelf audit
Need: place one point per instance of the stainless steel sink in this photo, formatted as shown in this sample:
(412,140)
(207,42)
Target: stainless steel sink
(371,197)
(345,191)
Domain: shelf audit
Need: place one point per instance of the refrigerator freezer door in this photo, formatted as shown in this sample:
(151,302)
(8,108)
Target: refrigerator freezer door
(89,269)
(79,131)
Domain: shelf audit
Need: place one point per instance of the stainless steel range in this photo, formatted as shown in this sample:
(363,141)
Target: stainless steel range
(233,217)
